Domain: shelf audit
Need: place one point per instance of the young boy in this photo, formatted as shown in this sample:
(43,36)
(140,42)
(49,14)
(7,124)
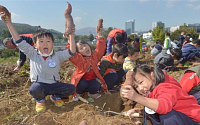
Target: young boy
(137,42)
(115,36)
(8,43)
(133,53)
(44,65)
(157,48)
(165,61)
(111,66)
(190,52)
(167,42)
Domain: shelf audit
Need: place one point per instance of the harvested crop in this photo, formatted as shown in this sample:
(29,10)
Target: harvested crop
(69,23)
(100,24)
(4,9)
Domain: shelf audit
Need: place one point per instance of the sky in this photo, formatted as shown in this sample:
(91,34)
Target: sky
(49,14)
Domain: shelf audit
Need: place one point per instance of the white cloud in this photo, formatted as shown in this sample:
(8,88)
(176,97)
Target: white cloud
(170,3)
(192,0)
(77,19)
(142,1)
(197,7)
(15,15)
(192,6)
(85,13)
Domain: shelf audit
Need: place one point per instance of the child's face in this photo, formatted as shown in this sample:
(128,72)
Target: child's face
(196,45)
(44,45)
(84,49)
(143,83)
(118,59)
(9,45)
(134,57)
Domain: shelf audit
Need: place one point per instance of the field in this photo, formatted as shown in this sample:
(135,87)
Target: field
(18,107)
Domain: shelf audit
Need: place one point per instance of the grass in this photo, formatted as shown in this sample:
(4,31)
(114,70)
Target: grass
(9,60)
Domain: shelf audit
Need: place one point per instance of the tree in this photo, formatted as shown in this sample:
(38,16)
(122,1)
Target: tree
(191,31)
(58,37)
(158,33)
(91,37)
(106,32)
(5,33)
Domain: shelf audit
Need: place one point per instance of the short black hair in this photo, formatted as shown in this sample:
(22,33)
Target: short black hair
(41,33)
(196,41)
(188,35)
(137,39)
(159,42)
(120,49)
(176,52)
(167,33)
(132,48)
(6,40)
(119,37)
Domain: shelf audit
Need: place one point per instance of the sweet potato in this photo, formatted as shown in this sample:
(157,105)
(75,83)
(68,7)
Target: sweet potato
(100,24)
(3,9)
(69,23)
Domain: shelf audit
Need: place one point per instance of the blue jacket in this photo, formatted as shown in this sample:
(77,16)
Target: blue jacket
(189,49)
(181,39)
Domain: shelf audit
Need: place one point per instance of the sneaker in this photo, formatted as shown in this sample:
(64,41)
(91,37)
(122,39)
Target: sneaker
(95,96)
(76,97)
(57,100)
(40,106)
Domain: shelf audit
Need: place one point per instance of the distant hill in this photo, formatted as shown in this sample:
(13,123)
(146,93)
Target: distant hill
(26,28)
(86,31)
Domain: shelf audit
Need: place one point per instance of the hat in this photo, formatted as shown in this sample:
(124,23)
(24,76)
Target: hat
(5,40)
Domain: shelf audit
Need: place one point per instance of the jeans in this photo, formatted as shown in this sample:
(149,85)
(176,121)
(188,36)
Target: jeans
(113,79)
(91,86)
(39,90)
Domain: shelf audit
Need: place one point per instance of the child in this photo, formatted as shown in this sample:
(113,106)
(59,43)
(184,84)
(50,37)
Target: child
(111,66)
(167,42)
(44,66)
(133,53)
(8,43)
(86,75)
(190,52)
(165,61)
(115,36)
(163,98)
(157,48)
(190,82)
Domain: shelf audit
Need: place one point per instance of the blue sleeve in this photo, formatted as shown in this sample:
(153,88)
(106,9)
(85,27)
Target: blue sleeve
(109,46)
(196,52)
(28,39)
(22,57)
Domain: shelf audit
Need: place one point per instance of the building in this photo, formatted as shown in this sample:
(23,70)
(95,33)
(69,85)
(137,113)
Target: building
(196,26)
(147,35)
(174,28)
(130,26)
(155,24)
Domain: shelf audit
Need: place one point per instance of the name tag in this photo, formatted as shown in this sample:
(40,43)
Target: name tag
(51,63)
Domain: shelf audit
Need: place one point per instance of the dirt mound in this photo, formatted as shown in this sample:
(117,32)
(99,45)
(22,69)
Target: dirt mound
(18,107)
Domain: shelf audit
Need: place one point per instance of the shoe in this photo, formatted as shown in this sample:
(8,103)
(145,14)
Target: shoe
(57,100)
(95,96)
(76,97)
(40,106)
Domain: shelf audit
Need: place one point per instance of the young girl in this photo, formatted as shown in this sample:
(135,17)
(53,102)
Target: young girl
(163,98)
(86,76)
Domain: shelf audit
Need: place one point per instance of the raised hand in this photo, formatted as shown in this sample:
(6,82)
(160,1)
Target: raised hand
(129,93)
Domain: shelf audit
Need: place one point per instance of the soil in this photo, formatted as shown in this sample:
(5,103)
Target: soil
(18,107)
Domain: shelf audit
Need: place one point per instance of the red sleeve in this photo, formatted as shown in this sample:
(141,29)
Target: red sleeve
(189,80)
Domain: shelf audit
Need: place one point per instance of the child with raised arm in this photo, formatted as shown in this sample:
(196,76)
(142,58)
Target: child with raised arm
(111,66)
(164,99)
(86,77)
(44,66)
